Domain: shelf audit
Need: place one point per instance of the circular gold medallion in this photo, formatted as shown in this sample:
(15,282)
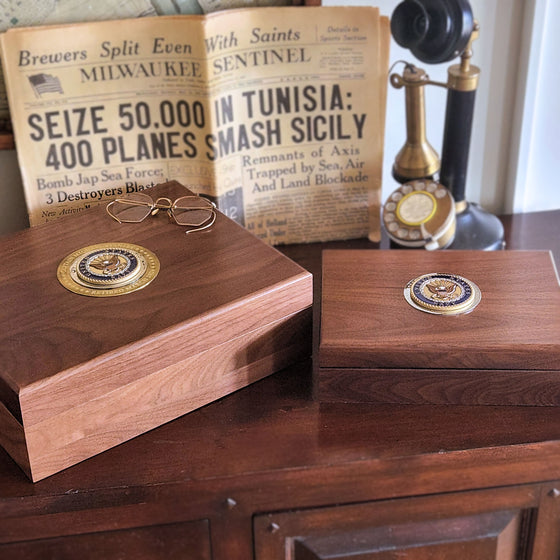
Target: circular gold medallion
(442,294)
(108,269)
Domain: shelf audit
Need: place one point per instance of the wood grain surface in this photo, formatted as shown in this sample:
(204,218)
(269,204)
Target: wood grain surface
(202,276)
(82,374)
(375,347)
(271,449)
(366,321)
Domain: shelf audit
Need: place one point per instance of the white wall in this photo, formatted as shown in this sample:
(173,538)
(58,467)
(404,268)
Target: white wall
(535,178)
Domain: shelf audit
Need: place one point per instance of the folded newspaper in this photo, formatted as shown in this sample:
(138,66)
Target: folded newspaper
(277,114)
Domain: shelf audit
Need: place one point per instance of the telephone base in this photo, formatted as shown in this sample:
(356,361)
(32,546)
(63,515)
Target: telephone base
(478,229)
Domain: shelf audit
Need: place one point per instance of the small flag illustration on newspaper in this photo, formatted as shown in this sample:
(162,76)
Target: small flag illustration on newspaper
(45,83)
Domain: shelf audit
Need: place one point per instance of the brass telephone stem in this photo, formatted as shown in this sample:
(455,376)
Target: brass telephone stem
(417,159)
(464,76)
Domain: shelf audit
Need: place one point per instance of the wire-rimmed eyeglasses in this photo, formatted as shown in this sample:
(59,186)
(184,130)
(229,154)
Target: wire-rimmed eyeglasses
(193,211)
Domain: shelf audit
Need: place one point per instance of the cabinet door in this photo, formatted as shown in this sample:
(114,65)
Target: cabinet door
(485,525)
(177,541)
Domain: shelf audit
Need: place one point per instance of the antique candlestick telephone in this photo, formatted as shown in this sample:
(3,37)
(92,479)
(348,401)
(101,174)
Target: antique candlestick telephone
(437,31)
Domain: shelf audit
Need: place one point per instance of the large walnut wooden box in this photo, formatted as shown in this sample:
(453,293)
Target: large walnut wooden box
(80,374)
(375,347)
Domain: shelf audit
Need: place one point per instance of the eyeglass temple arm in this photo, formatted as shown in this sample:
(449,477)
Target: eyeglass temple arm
(205,226)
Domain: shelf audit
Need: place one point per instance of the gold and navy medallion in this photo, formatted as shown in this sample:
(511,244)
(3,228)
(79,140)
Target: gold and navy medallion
(108,269)
(442,294)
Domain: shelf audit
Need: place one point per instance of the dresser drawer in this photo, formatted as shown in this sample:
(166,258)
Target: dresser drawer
(178,540)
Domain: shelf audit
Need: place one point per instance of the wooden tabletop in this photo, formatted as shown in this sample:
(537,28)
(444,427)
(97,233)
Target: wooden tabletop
(273,433)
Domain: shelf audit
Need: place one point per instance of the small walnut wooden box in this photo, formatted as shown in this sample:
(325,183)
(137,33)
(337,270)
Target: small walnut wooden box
(375,347)
(82,374)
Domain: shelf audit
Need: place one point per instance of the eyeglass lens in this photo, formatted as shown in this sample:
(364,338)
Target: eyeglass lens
(192,211)
(134,208)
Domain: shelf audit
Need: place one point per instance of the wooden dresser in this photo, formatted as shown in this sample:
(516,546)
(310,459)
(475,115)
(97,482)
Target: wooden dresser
(268,473)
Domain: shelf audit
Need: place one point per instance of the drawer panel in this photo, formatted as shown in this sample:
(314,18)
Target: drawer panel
(189,541)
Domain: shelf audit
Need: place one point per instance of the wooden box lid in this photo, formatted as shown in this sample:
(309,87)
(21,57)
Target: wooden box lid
(368,326)
(222,299)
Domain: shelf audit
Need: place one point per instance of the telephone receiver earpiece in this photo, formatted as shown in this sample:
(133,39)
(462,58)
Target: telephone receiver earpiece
(433,30)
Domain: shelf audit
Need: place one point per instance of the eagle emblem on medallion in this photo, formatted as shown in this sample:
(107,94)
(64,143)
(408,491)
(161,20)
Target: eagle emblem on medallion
(441,289)
(109,264)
